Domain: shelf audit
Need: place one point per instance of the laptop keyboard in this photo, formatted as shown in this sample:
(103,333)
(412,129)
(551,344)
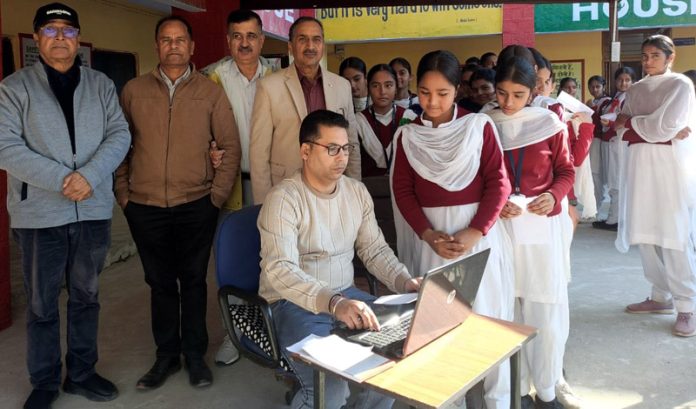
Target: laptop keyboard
(388,335)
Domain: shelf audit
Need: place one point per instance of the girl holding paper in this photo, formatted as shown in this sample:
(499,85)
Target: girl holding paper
(657,197)
(541,173)
(580,132)
(606,149)
(449,185)
(378,122)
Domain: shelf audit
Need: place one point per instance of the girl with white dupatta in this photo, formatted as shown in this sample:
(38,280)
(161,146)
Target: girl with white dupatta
(449,184)
(378,123)
(657,196)
(404,97)
(580,133)
(539,167)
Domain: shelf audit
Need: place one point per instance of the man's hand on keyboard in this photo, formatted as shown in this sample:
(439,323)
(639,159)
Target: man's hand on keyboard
(356,314)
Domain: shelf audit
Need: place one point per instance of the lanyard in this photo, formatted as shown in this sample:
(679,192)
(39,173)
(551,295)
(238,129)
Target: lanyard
(516,169)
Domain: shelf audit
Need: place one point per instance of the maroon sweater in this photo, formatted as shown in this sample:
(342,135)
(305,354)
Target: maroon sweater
(385,134)
(546,168)
(490,187)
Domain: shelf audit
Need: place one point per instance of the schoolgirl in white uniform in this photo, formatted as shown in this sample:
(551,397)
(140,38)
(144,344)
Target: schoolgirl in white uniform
(541,172)
(449,184)
(657,196)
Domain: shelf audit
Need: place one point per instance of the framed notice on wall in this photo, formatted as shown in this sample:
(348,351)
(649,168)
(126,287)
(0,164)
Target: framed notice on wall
(29,51)
(570,68)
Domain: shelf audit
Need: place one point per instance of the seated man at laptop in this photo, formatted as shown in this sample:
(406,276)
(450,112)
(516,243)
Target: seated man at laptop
(311,224)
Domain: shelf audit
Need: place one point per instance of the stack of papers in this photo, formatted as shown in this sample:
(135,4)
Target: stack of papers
(337,355)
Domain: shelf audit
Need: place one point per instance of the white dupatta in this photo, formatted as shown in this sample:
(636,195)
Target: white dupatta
(370,142)
(660,106)
(448,155)
(526,127)
(541,101)
(584,185)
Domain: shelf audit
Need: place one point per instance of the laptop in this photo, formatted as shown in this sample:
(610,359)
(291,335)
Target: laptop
(444,301)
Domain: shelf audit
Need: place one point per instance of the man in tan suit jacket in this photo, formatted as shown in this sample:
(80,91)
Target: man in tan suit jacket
(284,99)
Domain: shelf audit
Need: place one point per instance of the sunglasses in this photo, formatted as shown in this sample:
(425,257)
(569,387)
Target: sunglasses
(67,32)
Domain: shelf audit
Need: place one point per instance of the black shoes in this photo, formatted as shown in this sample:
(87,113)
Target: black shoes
(40,399)
(554,404)
(603,225)
(199,373)
(94,388)
(527,402)
(160,371)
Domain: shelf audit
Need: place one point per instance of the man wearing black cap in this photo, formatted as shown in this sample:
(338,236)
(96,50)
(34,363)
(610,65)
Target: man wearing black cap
(62,135)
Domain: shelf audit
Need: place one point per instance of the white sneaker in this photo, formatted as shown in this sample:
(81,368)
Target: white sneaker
(565,395)
(227,354)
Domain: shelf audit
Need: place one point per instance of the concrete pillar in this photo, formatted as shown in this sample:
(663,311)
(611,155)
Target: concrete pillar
(518,24)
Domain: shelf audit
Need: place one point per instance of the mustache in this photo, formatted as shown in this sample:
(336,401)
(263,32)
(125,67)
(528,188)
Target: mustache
(310,52)
(243,48)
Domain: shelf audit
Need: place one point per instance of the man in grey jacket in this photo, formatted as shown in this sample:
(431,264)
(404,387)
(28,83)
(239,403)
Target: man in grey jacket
(62,135)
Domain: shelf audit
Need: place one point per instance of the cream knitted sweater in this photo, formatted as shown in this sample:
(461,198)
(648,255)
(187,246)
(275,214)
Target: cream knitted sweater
(308,240)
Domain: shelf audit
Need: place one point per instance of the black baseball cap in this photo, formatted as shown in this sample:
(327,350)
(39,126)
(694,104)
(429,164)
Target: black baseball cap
(55,11)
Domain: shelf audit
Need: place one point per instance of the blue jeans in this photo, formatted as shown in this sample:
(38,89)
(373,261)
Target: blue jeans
(293,323)
(74,254)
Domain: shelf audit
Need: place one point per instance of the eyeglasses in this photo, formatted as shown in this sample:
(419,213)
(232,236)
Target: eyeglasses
(250,37)
(334,149)
(67,32)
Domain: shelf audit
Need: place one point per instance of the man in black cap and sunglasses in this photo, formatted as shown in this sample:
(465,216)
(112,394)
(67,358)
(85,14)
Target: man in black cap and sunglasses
(62,135)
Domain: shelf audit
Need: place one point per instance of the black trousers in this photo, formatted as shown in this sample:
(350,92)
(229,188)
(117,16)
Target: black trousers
(174,245)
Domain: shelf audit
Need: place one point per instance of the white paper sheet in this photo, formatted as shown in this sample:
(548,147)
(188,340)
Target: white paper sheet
(397,299)
(349,359)
(609,117)
(572,104)
(529,228)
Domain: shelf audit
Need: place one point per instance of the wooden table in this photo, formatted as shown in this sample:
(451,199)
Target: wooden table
(442,371)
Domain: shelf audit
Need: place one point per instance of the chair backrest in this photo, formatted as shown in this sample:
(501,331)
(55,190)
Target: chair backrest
(238,250)
(378,187)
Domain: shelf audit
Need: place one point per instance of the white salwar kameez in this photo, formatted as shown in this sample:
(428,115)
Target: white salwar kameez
(657,197)
(432,155)
(541,270)
(607,169)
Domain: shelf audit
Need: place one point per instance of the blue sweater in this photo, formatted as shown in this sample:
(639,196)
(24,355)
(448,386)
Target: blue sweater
(36,153)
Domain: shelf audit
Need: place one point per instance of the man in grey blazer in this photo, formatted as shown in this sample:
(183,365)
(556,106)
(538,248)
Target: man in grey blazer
(284,99)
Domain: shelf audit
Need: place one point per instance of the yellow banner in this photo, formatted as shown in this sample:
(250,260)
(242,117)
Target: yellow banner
(352,24)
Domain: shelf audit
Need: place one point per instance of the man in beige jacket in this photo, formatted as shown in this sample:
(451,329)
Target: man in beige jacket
(171,194)
(282,101)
